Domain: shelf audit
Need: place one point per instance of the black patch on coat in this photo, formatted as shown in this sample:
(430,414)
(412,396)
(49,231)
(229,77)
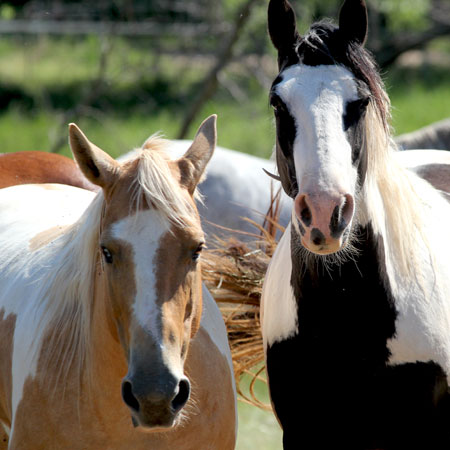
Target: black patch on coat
(330,383)
(353,123)
(286,132)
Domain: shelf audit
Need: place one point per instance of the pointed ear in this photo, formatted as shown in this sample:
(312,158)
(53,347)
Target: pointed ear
(97,166)
(282,25)
(194,161)
(353,21)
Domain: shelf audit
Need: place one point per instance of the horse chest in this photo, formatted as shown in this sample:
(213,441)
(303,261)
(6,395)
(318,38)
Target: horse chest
(342,307)
(342,379)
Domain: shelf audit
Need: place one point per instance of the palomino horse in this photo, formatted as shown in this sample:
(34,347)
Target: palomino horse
(40,167)
(106,338)
(356,301)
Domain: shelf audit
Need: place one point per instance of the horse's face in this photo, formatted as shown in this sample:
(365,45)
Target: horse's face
(151,278)
(154,285)
(319,106)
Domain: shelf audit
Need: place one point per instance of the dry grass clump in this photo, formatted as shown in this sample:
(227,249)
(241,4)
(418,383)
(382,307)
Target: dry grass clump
(234,273)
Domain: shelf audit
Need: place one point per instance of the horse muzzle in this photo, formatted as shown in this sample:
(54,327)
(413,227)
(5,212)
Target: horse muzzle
(324,221)
(158,404)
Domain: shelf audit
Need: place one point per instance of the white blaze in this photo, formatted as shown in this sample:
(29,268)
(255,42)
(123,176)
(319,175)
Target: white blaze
(316,98)
(143,232)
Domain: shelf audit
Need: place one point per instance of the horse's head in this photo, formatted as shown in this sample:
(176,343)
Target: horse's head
(150,241)
(326,82)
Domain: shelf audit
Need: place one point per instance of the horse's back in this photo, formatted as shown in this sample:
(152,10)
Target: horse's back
(29,212)
(430,165)
(31,216)
(40,167)
(43,203)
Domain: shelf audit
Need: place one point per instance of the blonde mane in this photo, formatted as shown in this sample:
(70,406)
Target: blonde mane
(391,201)
(156,184)
(69,287)
(68,290)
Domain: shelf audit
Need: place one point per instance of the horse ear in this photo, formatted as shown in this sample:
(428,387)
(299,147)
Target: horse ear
(97,166)
(282,25)
(194,161)
(353,22)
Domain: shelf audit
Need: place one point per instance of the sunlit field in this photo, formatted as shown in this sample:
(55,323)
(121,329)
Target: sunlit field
(42,82)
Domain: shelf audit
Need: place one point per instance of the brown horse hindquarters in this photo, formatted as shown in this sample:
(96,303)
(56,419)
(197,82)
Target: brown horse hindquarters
(40,167)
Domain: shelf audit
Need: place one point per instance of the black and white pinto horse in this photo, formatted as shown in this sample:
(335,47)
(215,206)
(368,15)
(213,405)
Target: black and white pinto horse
(356,301)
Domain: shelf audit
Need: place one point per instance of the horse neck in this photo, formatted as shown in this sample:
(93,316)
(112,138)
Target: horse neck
(392,205)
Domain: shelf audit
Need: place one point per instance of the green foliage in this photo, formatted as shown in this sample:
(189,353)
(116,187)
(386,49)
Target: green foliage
(419,96)
(43,79)
(6,12)
(405,14)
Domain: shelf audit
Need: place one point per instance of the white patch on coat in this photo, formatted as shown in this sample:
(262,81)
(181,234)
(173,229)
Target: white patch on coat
(422,301)
(414,158)
(27,211)
(143,232)
(316,97)
(278,306)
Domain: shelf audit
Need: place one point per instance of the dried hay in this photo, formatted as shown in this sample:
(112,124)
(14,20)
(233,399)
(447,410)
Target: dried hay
(234,273)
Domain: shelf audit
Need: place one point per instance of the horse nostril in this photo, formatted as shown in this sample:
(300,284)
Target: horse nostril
(303,211)
(128,397)
(182,395)
(341,216)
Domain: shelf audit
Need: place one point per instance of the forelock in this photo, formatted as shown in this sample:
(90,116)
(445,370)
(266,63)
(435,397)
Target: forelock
(157,184)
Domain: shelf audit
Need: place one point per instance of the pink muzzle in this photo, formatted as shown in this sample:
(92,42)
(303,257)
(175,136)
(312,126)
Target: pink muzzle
(324,220)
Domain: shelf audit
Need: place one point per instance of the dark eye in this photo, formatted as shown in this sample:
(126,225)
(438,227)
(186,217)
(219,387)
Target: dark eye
(197,251)
(354,111)
(107,255)
(277,104)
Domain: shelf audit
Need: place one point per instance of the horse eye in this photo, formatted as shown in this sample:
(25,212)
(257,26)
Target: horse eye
(276,104)
(107,255)
(197,251)
(354,111)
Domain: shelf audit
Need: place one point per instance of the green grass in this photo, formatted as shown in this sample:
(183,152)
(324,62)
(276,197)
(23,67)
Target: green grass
(258,429)
(41,79)
(419,96)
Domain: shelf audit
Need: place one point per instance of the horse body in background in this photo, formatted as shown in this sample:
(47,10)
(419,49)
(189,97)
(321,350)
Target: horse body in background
(108,339)
(235,188)
(357,292)
(40,167)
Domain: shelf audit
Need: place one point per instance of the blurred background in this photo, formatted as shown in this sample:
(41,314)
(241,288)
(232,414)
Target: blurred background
(126,69)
